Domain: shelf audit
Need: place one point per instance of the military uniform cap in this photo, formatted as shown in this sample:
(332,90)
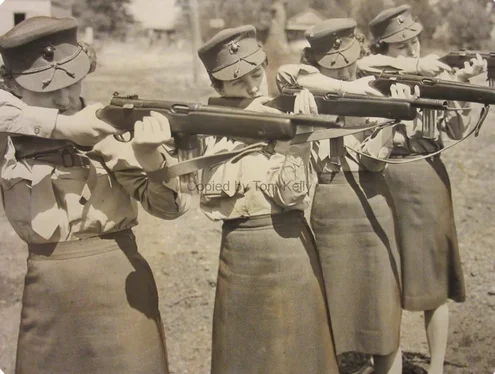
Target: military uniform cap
(333,43)
(43,55)
(395,25)
(232,53)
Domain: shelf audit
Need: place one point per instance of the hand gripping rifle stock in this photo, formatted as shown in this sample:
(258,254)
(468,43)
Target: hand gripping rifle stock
(456,59)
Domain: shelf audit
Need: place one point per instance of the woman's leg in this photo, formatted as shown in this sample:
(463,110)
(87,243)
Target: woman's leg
(389,364)
(437,330)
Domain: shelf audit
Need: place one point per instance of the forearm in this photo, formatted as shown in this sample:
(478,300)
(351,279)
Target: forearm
(377,145)
(17,118)
(160,198)
(379,63)
(288,174)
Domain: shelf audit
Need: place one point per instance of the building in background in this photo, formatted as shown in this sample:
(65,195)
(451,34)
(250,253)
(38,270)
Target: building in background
(14,11)
(158,18)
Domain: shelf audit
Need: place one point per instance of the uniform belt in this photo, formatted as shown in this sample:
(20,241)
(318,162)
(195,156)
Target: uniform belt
(66,157)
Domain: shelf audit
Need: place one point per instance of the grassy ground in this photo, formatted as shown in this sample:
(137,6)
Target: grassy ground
(184,253)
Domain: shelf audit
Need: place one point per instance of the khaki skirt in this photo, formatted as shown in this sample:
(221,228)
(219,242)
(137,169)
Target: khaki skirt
(270,314)
(431,266)
(353,225)
(90,307)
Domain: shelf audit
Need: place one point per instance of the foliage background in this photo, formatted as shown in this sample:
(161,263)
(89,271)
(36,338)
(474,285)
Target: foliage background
(447,23)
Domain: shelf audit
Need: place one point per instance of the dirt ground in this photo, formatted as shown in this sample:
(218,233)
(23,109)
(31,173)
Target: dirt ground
(184,253)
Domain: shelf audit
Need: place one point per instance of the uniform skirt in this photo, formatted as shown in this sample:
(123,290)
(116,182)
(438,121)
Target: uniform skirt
(431,266)
(353,225)
(90,307)
(270,314)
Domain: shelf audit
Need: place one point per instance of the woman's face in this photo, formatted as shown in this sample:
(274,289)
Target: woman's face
(407,48)
(252,84)
(66,99)
(347,73)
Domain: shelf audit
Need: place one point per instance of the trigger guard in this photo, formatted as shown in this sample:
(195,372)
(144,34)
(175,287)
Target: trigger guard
(122,139)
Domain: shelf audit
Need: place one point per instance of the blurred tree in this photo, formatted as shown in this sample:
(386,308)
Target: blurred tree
(463,32)
(107,18)
(426,15)
(365,10)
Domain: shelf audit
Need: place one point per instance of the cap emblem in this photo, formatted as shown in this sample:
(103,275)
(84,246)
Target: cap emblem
(337,43)
(400,20)
(49,53)
(233,47)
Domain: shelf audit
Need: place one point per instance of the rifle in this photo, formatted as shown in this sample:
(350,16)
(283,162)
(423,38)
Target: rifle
(456,59)
(352,105)
(434,88)
(187,120)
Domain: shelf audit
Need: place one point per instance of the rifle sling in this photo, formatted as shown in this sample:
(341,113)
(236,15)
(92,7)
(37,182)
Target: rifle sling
(204,162)
(475,130)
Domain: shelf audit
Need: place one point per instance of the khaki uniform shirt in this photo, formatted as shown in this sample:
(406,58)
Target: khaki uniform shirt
(256,184)
(48,203)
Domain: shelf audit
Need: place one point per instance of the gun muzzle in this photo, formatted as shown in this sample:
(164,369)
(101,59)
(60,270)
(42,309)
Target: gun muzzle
(429,120)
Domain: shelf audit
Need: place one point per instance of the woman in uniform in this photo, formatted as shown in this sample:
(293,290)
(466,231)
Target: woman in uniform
(90,302)
(351,215)
(430,262)
(270,314)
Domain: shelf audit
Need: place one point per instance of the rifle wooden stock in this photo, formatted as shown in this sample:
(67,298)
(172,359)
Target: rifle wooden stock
(343,105)
(433,88)
(192,119)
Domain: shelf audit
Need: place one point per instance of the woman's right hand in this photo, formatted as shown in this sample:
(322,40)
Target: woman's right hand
(402,91)
(361,86)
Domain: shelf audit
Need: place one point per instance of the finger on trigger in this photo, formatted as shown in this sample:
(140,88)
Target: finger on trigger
(445,67)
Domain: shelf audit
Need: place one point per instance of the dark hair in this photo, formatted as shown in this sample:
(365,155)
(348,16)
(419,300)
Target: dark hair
(91,52)
(378,47)
(217,84)
(7,82)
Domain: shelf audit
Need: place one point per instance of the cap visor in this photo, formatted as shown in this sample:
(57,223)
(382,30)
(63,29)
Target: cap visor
(336,61)
(406,34)
(79,67)
(242,67)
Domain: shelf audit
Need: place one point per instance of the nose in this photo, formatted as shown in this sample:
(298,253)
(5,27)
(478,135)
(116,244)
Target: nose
(412,50)
(253,88)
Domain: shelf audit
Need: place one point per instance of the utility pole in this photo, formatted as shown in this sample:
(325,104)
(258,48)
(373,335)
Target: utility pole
(196,37)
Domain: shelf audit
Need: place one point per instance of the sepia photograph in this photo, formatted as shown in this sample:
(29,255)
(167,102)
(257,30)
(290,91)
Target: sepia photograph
(247,187)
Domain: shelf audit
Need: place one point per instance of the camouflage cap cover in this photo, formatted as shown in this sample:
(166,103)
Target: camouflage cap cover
(395,25)
(232,53)
(333,43)
(43,55)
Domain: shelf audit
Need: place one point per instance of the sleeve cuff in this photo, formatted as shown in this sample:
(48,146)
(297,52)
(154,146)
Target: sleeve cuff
(41,121)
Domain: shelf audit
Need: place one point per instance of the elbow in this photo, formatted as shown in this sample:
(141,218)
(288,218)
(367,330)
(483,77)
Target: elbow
(169,210)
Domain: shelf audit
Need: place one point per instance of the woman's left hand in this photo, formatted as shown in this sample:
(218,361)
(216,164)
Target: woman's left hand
(151,132)
(472,68)
(305,104)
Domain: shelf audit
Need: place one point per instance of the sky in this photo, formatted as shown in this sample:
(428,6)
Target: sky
(154,12)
